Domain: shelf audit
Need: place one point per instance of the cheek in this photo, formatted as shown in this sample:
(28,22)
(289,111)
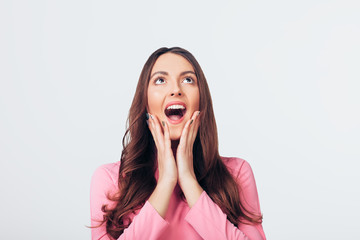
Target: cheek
(195,99)
(154,101)
(198,102)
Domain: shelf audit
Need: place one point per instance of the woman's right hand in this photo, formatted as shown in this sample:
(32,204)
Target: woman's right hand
(160,198)
(165,157)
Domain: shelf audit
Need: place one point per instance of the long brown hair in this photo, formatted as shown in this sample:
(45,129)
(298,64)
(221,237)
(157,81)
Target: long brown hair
(137,169)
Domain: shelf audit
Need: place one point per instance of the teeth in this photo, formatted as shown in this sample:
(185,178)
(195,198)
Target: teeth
(175,107)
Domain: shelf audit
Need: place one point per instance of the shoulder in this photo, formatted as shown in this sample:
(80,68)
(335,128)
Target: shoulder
(237,166)
(243,175)
(241,171)
(104,184)
(106,174)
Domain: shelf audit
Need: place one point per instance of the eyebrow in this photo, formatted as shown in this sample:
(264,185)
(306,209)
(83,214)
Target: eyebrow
(166,73)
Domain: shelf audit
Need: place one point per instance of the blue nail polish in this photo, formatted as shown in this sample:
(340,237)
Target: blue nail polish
(163,123)
(191,121)
(147,116)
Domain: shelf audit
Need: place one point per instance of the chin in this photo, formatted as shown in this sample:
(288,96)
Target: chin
(174,136)
(175,133)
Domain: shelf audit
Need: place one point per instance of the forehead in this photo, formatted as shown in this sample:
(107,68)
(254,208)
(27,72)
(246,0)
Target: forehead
(172,63)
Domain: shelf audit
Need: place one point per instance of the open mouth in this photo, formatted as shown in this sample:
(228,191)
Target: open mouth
(175,112)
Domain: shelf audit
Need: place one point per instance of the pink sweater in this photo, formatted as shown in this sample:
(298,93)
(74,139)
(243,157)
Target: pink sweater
(205,220)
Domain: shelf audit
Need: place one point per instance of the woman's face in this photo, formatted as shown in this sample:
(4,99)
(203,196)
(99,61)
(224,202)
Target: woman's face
(173,93)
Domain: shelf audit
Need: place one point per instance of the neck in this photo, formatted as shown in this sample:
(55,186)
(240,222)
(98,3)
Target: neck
(174,145)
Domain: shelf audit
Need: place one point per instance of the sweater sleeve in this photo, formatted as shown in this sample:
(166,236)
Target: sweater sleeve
(211,223)
(146,223)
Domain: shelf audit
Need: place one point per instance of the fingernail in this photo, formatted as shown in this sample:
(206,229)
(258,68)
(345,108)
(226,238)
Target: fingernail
(191,121)
(163,123)
(198,113)
(151,116)
(147,116)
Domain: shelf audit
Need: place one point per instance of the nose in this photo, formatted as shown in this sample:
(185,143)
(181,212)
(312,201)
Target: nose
(173,94)
(176,91)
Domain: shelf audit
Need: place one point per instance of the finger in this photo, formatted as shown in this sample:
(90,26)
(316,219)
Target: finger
(162,134)
(158,130)
(194,126)
(151,125)
(184,133)
(194,117)
(166,134)
(189,132)
(192,129)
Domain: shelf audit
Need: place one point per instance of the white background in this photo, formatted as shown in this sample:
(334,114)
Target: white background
(284,77)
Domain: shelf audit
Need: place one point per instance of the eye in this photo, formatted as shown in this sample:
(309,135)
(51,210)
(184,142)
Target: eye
(188,80)
(159,81)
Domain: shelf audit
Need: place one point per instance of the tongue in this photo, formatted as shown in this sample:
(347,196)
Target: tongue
(174,117)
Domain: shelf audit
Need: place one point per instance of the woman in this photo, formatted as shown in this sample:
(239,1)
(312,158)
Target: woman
(171,182)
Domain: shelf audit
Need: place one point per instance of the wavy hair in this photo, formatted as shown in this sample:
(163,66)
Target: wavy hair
(138,164)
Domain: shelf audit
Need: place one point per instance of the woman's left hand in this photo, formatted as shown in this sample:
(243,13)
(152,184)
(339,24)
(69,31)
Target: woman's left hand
(184,160)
